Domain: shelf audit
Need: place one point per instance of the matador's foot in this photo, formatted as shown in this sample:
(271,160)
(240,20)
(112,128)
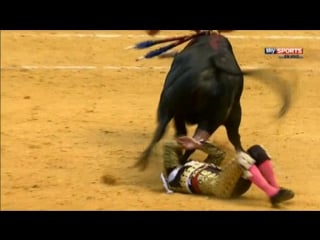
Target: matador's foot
(283,195)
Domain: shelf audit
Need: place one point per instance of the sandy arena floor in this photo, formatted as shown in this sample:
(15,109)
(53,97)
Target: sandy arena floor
(77,110)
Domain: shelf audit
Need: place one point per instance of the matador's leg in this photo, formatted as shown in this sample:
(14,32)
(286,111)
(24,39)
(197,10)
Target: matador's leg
(215,154)
(171,156)
(223,184)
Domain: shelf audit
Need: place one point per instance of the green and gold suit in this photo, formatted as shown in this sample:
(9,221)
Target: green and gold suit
(206,177)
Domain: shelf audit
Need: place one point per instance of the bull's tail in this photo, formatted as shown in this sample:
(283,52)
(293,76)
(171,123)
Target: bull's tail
(277,83)
(144,157)
(143,160)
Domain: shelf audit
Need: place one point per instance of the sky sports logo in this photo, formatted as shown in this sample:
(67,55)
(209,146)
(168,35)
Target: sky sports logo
(285,52)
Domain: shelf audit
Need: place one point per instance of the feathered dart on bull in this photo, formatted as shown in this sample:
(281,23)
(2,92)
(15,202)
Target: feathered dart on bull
(203,87)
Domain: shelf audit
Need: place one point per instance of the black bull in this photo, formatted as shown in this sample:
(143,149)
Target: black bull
(203,88)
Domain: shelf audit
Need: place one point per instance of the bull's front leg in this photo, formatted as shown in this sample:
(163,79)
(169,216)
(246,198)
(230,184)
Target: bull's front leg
(232,126)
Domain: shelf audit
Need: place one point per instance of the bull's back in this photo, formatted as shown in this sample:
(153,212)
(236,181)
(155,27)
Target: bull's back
(186,69)
(205,52)
(212,99)
(195,86)
(188,64)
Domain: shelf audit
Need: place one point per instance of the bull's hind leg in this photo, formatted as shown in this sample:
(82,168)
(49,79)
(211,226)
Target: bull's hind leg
(232,126)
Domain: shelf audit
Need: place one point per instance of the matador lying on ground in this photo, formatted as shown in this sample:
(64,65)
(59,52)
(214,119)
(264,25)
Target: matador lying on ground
(230,181)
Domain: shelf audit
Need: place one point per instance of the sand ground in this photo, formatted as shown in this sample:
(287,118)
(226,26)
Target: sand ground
(76,108)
